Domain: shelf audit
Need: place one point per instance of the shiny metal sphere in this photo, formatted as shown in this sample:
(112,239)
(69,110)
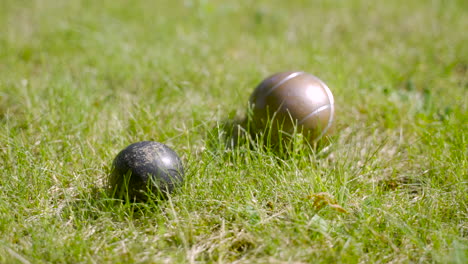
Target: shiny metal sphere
(289,100)
(145,167)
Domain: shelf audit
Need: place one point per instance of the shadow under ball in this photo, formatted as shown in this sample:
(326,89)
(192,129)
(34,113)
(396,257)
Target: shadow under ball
(288,99)
(145,167)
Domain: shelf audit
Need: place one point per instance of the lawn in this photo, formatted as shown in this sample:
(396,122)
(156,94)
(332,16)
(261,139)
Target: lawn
(80,80)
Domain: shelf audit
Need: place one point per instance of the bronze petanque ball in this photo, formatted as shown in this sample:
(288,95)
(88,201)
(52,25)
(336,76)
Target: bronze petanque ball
(289,100)
(145,168)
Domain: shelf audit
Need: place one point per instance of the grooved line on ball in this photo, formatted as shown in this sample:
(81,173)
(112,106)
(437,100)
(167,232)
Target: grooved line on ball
(331,105)
(287,78)
(316,111)
(332,108)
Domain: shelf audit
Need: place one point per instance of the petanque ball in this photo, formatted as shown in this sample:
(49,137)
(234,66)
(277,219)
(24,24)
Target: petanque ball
(293,100)
(143,168)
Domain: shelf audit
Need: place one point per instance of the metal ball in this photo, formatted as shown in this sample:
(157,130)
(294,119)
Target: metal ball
(145,167)
(289,100)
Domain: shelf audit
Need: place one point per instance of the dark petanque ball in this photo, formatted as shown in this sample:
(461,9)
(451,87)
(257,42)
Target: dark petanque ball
(144,168)
(293,101)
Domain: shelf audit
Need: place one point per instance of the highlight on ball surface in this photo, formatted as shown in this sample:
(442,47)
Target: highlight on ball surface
(143,169)
(293,101)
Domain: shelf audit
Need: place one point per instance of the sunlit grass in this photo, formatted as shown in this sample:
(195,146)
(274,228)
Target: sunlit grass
(80,80)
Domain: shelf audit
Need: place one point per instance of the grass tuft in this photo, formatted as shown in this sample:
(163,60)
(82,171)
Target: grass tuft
(79,81)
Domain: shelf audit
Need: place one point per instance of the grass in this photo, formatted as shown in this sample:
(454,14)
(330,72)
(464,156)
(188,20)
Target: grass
(80,80)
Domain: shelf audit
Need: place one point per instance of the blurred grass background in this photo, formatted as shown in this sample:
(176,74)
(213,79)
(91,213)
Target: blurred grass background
(80,80)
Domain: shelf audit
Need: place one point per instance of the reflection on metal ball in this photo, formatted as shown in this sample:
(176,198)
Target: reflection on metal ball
(289,100)
(143,168)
